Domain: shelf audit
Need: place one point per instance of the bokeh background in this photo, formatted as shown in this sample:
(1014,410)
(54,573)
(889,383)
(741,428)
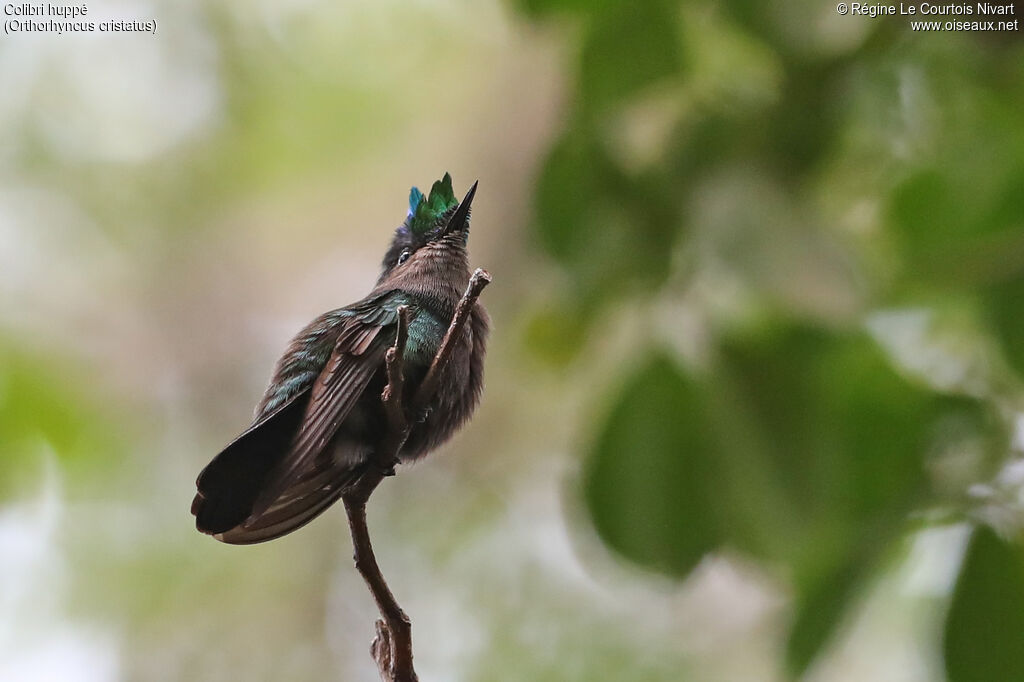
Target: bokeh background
(753,405)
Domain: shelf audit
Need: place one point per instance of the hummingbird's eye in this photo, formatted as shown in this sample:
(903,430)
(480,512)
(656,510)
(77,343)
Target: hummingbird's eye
(403,257)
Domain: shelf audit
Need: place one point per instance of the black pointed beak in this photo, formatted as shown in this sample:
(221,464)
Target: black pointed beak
(460,219)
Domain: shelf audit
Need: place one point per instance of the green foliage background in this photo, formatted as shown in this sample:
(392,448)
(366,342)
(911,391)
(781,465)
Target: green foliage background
(754,394)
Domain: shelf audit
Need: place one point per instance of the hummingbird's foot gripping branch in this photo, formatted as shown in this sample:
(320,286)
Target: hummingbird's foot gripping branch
(392,646)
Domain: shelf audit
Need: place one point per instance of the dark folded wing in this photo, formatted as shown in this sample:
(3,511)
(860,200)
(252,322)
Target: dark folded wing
(358,354)
(277,476)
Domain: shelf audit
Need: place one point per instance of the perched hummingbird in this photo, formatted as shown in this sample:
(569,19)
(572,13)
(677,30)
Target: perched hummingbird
(321,417)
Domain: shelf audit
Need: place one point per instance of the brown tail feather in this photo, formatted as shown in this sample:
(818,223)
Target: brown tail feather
(293,510)
(231,483)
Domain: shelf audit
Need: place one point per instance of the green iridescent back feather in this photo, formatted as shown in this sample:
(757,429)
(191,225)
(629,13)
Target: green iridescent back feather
(424,211)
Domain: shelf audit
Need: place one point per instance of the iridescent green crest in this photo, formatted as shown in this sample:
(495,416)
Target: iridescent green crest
(424,211)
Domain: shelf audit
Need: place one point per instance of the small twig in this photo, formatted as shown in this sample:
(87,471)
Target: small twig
(480,279)
(392,647)
(381,649)
(392,395)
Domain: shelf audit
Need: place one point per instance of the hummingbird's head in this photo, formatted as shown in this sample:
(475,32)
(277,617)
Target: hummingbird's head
(434,233)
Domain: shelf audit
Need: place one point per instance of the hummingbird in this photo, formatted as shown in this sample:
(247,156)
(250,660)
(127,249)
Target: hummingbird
(315,430)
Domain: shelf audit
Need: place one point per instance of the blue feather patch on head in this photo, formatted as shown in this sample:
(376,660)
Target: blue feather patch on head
(415,197)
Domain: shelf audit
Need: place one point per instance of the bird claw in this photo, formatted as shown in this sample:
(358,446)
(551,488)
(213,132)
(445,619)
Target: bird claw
(386,469)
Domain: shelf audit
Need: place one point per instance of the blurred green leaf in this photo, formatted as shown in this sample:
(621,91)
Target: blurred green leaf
(814,462)
(951,234)
(928,213)
(626,49)
(610,230)
(647,481)
(828,580)
(557,333)
(820,608)
(1005,306)
(1007,212)
(710,141)
(570,195)
(845,433)
(846,437)
(540,7)
(40,406)
(1004,263)
(984,638)
(803,128)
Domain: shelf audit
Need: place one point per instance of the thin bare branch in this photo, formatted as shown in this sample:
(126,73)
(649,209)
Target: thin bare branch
(392,646)
(393,651)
